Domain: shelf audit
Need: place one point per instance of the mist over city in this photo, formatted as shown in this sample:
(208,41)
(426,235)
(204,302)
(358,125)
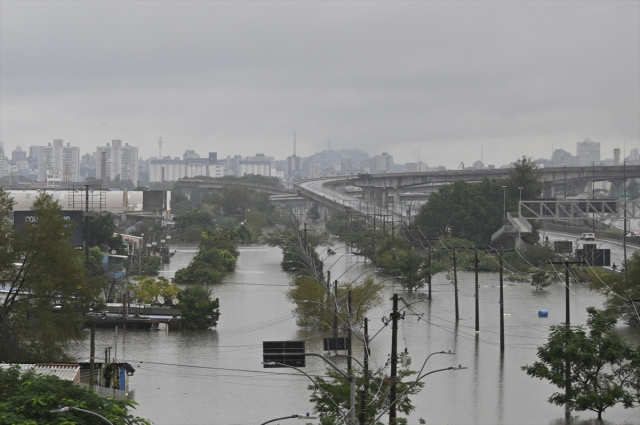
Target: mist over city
(332,213)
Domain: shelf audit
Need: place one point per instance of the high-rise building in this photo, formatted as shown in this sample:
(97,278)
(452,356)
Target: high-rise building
(60,162)
(381,163)
(116,161)
(588,152)
(2,160)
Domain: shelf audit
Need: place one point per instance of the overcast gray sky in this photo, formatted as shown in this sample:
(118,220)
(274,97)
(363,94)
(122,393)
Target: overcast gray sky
(516,77)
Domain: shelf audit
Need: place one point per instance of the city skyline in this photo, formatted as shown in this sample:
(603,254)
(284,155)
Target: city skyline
(450,80)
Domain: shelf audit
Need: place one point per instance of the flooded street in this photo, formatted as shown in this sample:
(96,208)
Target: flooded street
(216,376)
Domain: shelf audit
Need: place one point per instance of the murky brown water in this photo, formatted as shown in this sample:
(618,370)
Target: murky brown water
(215,377)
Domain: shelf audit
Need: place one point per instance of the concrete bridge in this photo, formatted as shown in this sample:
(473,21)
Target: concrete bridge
(219,184)
(385,189)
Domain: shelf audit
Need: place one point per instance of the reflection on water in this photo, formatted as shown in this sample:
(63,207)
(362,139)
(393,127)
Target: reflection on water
(215,376)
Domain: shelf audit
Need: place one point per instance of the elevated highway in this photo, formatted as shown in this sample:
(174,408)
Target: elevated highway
(383,189)
(219,184)
(377,200)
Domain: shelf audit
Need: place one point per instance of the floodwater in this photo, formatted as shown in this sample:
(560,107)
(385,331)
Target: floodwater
(216,376)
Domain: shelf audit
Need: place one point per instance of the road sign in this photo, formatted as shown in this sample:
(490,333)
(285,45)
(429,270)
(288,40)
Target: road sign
(625,195)
(331,344)
(283,354)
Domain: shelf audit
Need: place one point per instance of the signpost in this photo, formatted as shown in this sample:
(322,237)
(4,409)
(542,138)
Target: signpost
(283,354)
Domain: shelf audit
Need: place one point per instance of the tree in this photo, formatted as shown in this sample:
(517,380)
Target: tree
(309,296)
(28,398)
(148,289)
(198,310)
(621,290)
(377,396)
(463,210)
(101,233)
(41,269)
(314,213)
(235,197)
(397,257)
(604,368)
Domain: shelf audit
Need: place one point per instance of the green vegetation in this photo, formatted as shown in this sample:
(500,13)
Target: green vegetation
(462,217)
(216,256)
(147,289)
(299,248)
(233,206)
(474,211)
(311,299)
(605,369)
(621,289)
(377,395)
(101,230)
(198,310)
(27,398)
(42,270)
(191,224)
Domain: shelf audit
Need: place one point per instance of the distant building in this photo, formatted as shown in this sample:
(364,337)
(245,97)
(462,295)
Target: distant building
(2,160)
(167,169)
(258,164)
(190,154)
(634,156)
(588,152)
(381,163)
(293,166)
(58,163)
(18,155)
(116,161)
(561,157)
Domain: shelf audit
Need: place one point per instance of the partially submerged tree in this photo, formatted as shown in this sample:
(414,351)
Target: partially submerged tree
(198,309)
(604,368)
(316,304)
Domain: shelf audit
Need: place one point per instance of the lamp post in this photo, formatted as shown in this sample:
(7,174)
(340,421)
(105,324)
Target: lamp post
(67,408)
(504,205)
(519,214)
(290,417)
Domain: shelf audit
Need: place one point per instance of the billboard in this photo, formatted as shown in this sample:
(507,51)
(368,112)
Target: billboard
(21,217)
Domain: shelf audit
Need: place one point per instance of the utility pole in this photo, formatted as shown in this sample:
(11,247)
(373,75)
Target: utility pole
(567,370)
(365,387)
(501,295)
(335,311)
(455,283)
(394,360)
(92,354)
(477,293)
(86,225)
(501,307)
(305,236)
(624,235)
(349,339)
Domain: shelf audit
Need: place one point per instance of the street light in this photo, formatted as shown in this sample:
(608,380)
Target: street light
(61,409)
(307,416)
(504,204)
(350,378)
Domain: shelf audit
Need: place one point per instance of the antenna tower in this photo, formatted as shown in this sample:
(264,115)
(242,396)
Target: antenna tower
(294,143)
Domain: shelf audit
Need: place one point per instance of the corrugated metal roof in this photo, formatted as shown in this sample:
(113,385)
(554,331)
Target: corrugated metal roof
(68,372)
